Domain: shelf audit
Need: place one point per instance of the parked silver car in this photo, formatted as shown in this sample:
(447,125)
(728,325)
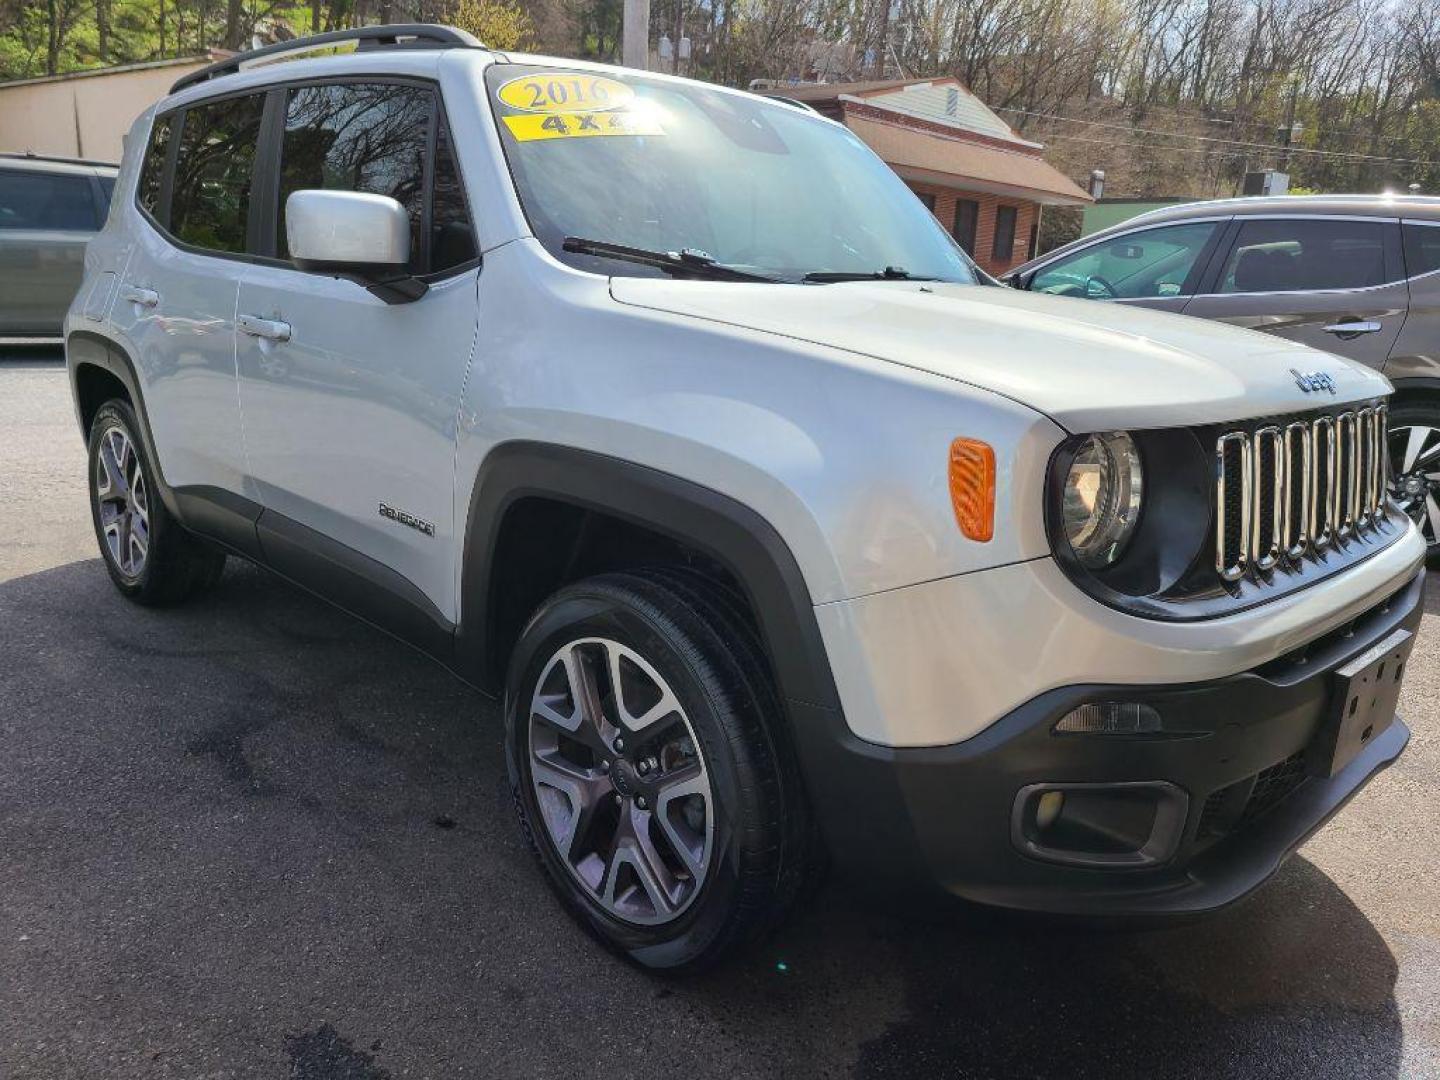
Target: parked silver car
(1357,275)
(49,210)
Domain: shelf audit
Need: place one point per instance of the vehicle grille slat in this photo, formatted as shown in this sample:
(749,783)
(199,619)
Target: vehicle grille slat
(1286,492)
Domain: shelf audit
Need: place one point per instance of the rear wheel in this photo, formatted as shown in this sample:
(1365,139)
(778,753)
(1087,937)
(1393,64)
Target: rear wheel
(150,557)
(641,742)
(1414,444)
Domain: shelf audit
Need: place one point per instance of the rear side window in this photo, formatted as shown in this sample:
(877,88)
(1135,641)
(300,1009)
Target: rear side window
(152,170)
(1304,255)
(210,202)
(51,201)
(369,137)
(1422,249)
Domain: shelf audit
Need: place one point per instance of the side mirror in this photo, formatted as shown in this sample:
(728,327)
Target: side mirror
(356,235)
(1013,280)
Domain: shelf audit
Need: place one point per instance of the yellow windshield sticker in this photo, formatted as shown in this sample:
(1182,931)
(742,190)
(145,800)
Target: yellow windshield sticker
(528,127)
(564,92)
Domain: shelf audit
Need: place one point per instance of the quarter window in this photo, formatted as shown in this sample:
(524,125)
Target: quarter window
(1305,255)
(152,172)
(368,137)
(1422,249)
(49,201)
(210,204)
(452,239)
(1150,263)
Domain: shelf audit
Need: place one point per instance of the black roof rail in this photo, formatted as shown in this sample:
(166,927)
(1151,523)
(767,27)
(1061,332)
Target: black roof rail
(393,36)
(30,155)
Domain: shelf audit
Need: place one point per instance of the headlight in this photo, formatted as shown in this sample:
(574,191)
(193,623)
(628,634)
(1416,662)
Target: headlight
(1101,503)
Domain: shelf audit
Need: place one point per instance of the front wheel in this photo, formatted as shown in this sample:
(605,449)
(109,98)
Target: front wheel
(1414,445)
(641,740)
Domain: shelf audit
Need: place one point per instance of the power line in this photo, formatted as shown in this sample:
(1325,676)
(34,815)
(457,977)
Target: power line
(1349,155)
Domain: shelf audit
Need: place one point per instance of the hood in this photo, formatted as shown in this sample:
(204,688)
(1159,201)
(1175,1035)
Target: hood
(1088,365)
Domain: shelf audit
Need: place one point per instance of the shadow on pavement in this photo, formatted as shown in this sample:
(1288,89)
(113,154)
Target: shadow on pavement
(251,835)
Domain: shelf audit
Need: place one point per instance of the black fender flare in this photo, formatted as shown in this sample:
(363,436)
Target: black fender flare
(720,527)
(86,348)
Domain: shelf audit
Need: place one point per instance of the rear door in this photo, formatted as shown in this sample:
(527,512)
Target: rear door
(176,302)
(1331,282)
(1417,349)
(1156,267)
(350,410)
(46,219)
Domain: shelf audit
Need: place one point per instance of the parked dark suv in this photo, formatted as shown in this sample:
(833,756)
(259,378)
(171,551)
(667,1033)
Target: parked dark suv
(1357,275)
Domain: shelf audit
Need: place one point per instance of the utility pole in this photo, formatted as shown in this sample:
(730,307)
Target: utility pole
(635,48)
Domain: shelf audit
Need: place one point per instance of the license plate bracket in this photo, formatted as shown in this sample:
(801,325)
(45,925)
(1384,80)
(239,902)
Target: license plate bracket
(1362,703)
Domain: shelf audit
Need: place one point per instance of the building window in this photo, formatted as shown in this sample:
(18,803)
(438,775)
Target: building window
(928,199)
(967,217)
(1003,249)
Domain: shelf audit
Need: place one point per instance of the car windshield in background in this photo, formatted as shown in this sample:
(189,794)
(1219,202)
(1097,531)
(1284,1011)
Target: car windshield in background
(754,186)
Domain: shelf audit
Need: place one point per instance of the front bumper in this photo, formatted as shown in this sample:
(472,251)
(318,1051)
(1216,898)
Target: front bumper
(944,815)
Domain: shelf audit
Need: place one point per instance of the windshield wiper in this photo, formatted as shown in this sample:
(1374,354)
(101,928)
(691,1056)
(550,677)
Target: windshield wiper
(890,273)
(686,261)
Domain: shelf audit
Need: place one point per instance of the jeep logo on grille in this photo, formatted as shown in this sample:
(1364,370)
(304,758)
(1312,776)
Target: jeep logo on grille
(1312,381)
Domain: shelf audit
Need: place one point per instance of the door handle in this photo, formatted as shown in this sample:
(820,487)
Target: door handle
(143,297)
(272,329)
(1353,329)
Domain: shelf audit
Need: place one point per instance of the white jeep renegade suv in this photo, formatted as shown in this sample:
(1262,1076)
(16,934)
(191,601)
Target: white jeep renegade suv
(669,414)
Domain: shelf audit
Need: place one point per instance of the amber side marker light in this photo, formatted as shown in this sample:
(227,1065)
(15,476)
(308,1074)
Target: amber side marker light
(972,487)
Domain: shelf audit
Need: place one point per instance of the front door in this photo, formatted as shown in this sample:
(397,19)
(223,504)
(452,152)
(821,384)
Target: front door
(350,404)
(1334,283)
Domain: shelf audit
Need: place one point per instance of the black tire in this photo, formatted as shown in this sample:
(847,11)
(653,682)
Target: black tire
(764,850)
(175,564)
(1405,414)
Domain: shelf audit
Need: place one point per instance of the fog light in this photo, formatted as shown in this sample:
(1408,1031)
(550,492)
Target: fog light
(1110,718)
(1048,809)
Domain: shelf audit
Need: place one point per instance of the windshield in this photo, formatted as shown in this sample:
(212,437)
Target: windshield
(669,166)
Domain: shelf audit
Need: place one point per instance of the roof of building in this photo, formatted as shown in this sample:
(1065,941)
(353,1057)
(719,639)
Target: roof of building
(934,158)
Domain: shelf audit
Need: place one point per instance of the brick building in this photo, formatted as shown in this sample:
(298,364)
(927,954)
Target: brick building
(984,182)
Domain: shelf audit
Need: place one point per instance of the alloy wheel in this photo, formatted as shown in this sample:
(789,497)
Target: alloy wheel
(1415,475)
(124,499)
(620,781)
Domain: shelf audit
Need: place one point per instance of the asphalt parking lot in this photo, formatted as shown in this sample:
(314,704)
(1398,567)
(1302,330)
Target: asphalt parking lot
(253,838)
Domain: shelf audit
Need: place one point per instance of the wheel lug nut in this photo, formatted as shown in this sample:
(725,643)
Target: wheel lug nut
(641,803)
(604,765)
(619,799)
(619,745)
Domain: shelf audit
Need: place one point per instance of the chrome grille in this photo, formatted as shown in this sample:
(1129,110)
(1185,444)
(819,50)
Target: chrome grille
(1283,493)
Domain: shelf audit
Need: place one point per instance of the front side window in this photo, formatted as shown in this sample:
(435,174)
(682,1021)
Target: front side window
(667,166)
(1304,255)
(1151,263)
(210,202)
(367,137)
(45,201)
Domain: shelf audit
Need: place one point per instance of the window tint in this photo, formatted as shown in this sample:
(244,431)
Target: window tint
(368,137)
(967,216)
(210,203)
(1153,262)
(153,169)
(1004,247)
(1305,254)
(452,239)
(37,200)
(1422,249)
